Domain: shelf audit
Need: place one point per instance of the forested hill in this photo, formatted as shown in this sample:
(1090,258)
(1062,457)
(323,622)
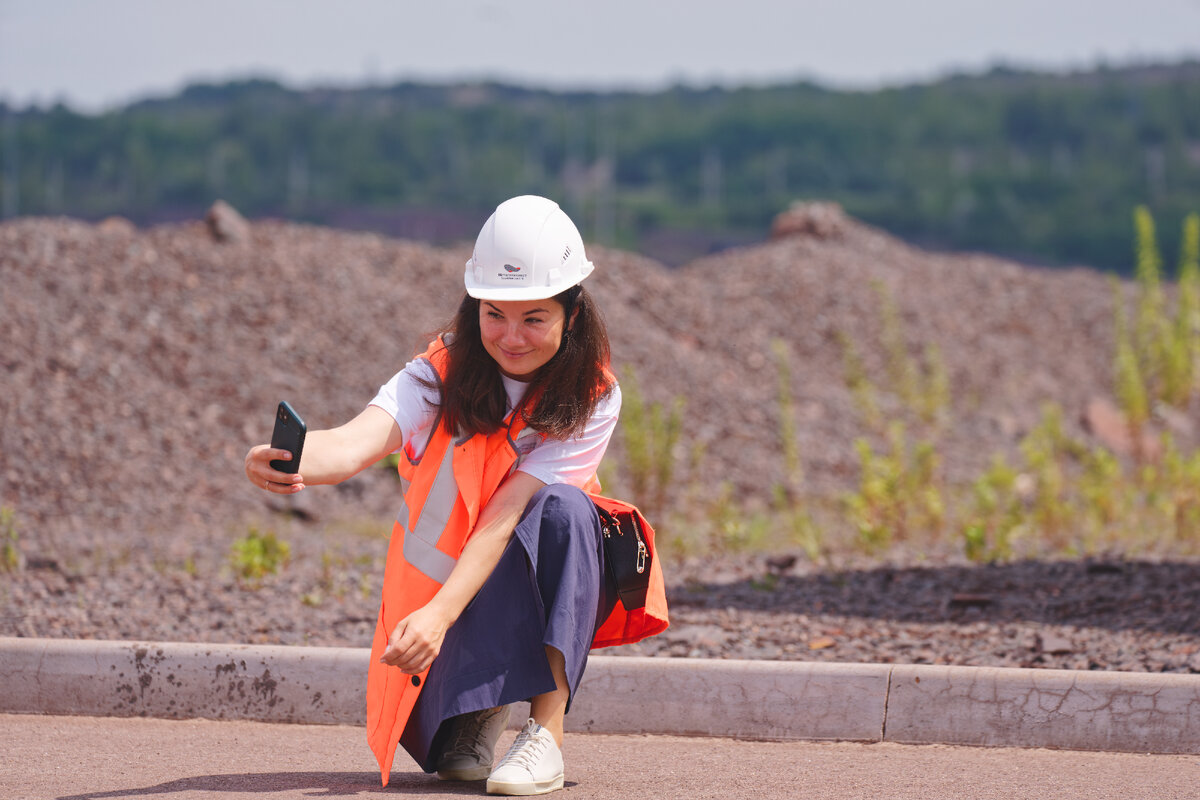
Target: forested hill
(1044,168)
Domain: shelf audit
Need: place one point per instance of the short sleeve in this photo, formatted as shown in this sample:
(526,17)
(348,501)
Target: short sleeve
(411,403)
(574,461)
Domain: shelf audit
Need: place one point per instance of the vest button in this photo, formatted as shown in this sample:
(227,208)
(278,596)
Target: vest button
(416,680)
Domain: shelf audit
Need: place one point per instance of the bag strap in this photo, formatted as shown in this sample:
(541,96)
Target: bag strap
(606,519)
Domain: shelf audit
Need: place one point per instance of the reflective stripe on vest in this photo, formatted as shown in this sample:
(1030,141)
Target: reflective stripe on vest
(422,537)
(421,540)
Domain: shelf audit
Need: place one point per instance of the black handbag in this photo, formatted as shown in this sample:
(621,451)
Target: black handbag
(626,554)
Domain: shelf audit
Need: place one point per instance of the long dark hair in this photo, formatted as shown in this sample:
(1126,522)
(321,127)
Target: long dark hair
(564,393)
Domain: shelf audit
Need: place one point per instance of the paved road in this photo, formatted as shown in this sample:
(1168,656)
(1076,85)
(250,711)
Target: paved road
(98,758)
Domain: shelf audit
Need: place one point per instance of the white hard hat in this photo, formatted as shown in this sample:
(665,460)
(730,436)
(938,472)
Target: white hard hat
(527,250)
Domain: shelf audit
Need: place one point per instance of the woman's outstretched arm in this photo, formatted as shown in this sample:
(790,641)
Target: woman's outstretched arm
(330,456)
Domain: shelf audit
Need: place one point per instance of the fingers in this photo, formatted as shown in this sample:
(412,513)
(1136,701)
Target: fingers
(391,655)
(415,666)
(410,649)
(280,487)
(409,656)
(262,475)
(407,662)
(275,454)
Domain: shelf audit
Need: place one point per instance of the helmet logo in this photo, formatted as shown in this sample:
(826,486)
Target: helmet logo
(511,268)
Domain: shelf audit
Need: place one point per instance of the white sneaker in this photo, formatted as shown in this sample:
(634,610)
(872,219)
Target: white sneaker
(469,751)
(533,765)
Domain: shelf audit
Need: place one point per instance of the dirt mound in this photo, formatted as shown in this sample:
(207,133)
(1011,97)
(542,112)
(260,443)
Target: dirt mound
(1011,339)
(140,365)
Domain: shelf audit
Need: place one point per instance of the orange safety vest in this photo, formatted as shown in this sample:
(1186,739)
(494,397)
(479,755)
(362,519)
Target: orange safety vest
(444,491)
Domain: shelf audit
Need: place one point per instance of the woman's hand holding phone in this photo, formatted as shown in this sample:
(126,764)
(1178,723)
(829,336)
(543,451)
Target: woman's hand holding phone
(264,476)
(275,467)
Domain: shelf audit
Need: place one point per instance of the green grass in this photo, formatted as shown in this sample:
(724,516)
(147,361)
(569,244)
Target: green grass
(257,555)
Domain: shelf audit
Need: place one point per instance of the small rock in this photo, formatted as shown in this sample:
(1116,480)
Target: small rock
(698,636)
(116,226)
(226,224)
(1025,486)
(780,564)
(1177,421)
(817,220)
(1056,645)
(1108,424)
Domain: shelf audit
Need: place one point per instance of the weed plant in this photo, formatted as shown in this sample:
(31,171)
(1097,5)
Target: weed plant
(1061,495)
(651,436)
(1052,494)
(1158,361)
(995,515)
(900,489)
(257,555)
(11,559)
(789,505)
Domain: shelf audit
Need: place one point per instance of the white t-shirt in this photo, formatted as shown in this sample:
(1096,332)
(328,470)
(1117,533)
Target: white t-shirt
(571,461)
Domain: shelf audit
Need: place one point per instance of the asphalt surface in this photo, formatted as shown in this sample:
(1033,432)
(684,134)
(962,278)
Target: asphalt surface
(98,758)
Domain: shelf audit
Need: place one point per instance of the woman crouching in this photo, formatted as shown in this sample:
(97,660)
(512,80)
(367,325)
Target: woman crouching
(495,587)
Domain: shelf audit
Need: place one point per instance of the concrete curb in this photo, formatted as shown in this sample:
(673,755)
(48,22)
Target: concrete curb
(1069,709)
(1131,712)
(323,685)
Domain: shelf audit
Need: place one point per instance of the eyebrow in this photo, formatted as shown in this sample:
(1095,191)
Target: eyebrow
(538,310)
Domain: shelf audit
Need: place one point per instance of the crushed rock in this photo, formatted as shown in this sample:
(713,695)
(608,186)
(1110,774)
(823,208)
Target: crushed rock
(140,365)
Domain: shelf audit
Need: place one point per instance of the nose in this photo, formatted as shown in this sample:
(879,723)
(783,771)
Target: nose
(512,333)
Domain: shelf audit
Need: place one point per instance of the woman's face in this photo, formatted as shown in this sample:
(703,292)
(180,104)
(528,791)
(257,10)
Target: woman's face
(521,335)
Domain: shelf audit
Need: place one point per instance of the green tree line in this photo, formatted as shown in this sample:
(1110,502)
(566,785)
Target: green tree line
(1040,167)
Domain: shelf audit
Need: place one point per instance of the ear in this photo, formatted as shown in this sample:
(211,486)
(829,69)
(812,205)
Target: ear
(574,316)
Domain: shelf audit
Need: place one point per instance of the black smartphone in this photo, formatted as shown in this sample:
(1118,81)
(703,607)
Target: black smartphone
(288,435)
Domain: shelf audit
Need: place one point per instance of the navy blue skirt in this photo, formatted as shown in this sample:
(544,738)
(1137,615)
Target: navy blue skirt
(549,589)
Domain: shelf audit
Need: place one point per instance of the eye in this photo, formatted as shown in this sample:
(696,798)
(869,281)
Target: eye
(495,315)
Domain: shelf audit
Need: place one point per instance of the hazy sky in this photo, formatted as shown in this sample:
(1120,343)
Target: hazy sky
(98,53)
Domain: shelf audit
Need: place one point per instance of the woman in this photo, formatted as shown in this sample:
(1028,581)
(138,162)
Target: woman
(495,586)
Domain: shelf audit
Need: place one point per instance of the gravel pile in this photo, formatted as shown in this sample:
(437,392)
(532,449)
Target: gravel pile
(139,366)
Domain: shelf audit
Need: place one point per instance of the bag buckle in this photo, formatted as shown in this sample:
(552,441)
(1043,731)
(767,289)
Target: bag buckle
(642,553)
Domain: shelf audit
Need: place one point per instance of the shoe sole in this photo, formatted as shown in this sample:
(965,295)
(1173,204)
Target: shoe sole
(525,788)
(466,774)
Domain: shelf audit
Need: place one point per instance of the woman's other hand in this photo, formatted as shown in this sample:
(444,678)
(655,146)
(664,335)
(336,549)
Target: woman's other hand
(260,472)
(416,640)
